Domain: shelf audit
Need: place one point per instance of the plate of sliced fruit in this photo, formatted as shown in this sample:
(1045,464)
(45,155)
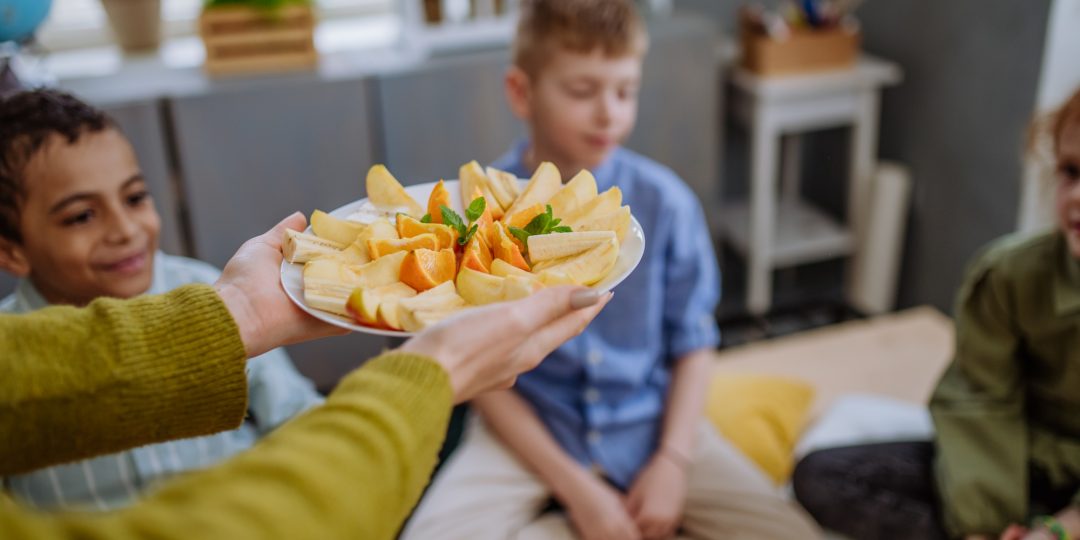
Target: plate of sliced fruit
(389,265)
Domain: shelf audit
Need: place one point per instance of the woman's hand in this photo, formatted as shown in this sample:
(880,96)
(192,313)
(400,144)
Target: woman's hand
(486,348)
(250,286)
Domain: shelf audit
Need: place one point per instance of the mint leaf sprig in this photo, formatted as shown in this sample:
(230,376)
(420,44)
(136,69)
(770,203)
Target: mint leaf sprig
(472,213)
(545,223)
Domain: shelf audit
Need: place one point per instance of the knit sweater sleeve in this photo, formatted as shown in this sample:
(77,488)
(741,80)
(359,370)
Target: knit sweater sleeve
(352,468)
(116,375)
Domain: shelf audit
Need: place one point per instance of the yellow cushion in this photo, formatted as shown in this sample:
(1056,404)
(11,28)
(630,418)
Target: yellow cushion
(761,415)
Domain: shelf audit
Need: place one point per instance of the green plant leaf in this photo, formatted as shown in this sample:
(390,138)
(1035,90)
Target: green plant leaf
(476,209)
(520,234)
(452,219)
(538,224)
(468,235)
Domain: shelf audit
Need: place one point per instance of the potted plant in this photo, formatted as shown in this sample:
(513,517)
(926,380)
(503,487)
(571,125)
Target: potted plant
(248,36)
(135,23)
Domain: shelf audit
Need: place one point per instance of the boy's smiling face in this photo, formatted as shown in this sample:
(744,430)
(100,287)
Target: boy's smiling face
(579,106)
(1068,185)
(88,224)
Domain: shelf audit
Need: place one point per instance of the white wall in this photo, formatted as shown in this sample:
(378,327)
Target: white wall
(1059,79)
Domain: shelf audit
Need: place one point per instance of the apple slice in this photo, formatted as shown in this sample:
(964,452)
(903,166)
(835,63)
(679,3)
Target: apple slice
(364,304)
(517,287)
(606,203)
(473,178)
(385,191)
(478,288)
(578,191)
(383,271)
(545,182)
(335,229)
(416,313)
(617,221)
(417,321)
(551,278)
(504,186)
(502,268)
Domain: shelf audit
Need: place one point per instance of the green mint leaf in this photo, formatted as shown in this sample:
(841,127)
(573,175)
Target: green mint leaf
(476,209)
(520,234)
(538,224)
(562,229)
(451,218)
(426,218)
(468,236)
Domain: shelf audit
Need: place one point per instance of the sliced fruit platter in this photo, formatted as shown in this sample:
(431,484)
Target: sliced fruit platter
(388,265)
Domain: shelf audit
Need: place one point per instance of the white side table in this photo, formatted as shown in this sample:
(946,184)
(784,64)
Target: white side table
(775,229)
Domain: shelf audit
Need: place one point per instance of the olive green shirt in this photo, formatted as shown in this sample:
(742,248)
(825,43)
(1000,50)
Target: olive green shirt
(1011,398)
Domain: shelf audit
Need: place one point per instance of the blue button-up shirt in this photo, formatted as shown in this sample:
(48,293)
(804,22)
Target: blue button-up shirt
(602,394)
(276,393)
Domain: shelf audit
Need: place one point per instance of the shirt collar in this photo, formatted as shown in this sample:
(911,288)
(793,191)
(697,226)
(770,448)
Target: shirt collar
(28,298)
(1066,281)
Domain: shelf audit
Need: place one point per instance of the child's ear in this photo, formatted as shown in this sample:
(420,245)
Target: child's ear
(518,93)
(12,258)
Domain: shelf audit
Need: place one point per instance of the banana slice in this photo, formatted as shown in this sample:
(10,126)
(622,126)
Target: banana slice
(299,247)
(544,247)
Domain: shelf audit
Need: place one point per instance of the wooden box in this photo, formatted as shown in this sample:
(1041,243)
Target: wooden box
(804,51)
(241,39)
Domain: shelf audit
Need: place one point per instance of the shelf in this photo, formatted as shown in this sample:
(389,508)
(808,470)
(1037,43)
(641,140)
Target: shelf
(804,234)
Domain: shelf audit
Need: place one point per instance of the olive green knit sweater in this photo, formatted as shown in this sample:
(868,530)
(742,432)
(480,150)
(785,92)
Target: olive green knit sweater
(118,374)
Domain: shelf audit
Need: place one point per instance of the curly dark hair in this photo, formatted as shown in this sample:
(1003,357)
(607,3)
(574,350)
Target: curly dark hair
(27,120)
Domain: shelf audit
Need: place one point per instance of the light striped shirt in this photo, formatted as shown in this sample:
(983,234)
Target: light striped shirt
(276,393)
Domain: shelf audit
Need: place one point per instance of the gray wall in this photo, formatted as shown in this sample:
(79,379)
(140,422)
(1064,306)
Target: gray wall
(958,121)
(971,72)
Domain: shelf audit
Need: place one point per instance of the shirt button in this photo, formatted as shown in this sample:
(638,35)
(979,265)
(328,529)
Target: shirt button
(593,437)
(595,357)
(592,395)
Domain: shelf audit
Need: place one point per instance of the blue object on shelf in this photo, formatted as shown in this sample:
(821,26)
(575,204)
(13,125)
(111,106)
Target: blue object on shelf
(812,15)
(19,19)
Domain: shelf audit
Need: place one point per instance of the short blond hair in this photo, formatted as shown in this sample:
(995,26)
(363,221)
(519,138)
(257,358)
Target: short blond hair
(580,26)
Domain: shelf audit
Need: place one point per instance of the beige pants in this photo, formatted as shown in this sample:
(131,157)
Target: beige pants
(485,493)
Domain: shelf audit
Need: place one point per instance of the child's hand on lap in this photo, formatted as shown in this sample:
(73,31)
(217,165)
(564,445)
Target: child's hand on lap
(657,498)
(598,512)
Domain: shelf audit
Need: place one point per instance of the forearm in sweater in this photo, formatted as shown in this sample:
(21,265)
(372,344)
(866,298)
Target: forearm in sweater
(352,468)
(116,375)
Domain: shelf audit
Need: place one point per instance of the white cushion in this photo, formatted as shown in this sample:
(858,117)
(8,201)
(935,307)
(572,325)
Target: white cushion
(856,419)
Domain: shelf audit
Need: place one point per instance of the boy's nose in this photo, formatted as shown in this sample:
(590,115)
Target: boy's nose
(121,229)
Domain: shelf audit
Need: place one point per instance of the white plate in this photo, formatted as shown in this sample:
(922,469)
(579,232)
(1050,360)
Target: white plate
(292,278)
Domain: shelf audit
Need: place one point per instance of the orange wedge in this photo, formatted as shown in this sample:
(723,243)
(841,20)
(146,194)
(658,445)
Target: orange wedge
(378,248)
(408,227)
(424,269)
(507,250)
(477,255)
(440,196)
(486,220)
(522,218)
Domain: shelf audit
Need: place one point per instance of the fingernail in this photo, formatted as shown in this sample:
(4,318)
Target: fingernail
(584,298)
